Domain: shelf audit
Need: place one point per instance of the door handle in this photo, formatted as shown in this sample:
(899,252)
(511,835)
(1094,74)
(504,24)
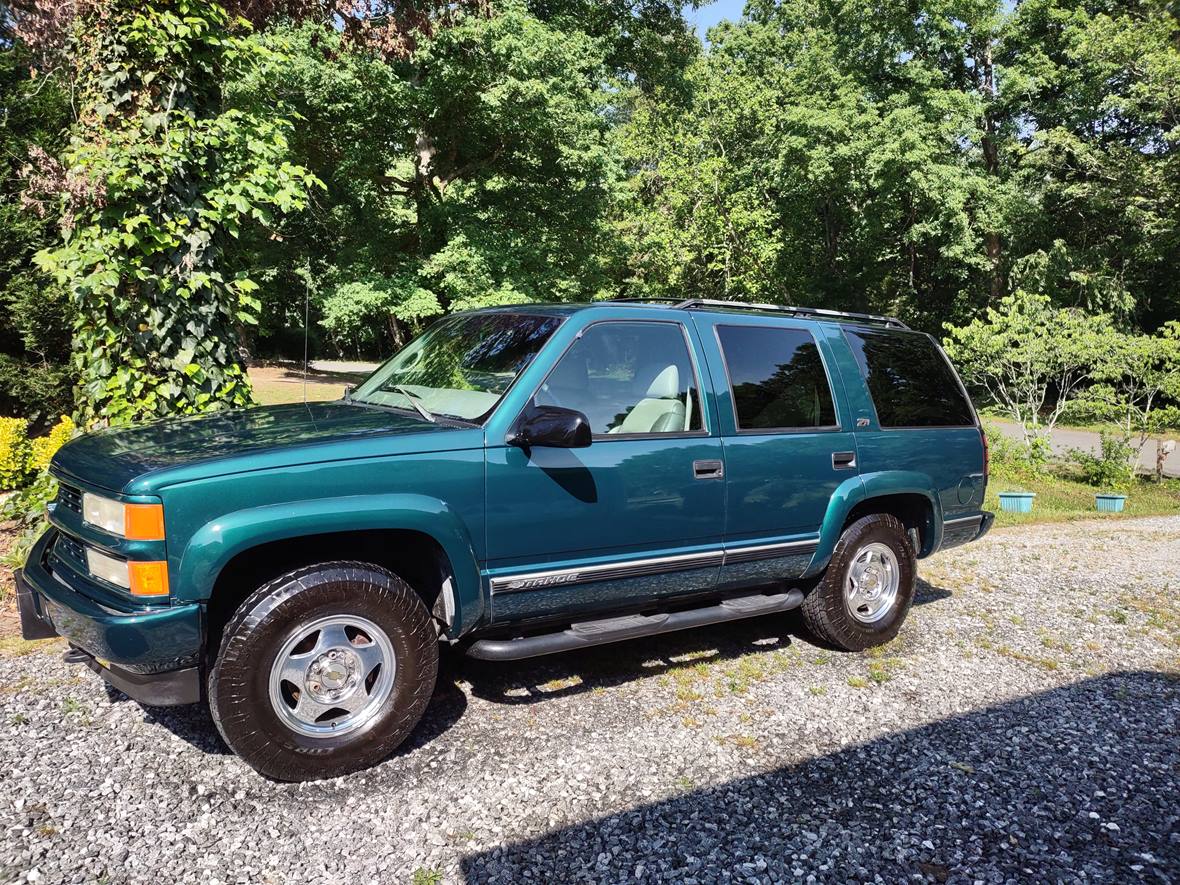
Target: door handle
(843,460)
(708,469)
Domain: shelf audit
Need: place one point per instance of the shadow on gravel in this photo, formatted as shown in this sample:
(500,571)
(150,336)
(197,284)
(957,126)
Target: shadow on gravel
(539,679)
(194,724)
(926,593)
(1077,783)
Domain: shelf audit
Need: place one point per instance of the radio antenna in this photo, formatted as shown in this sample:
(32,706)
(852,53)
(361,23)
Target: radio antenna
(306,313)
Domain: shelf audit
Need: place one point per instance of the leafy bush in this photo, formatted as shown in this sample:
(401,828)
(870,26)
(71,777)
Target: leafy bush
(1008,452)
(1112,468)
(34,390)
(42,450)
(14,453)
(27,508)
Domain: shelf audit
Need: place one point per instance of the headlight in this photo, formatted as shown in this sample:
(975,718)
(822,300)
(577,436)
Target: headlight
(113,571)
(141,578)
(136,522)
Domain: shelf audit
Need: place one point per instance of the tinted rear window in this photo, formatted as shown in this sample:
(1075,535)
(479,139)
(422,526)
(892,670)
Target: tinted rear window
(777,377)
(910,382)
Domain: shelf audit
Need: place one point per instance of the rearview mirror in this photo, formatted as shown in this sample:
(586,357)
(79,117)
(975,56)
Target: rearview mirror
(551,426)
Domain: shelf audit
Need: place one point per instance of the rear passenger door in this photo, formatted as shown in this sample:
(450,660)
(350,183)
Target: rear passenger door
(919,424)
(786,441)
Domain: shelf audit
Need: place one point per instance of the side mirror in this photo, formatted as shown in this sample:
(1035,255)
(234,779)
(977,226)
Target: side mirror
(551,426)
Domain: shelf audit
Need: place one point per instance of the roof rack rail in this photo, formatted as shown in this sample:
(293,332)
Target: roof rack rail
(807,312)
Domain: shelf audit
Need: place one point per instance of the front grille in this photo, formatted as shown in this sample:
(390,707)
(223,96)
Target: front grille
(69,497)
(69,549)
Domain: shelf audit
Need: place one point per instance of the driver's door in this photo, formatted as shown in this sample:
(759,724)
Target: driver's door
(638,514)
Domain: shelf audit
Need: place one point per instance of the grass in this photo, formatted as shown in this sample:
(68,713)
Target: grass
(277,391)
(1062,497)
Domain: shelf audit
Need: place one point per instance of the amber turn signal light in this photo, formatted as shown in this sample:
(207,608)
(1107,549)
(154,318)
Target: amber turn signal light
(143,522)
(148,578)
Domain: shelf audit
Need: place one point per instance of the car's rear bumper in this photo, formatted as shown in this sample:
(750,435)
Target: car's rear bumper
(965,529)
(152,655)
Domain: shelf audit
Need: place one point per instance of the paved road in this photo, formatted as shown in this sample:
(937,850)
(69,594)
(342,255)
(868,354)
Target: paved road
(1066,439)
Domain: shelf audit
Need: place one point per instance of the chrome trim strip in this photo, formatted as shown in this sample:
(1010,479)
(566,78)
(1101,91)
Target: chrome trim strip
(653,566)
(963,519)
(605,571)
(769,551)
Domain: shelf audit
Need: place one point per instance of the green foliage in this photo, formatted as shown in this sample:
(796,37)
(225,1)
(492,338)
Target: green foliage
(14,453)
(35,316)
(42,449)
(359,312)
(479,171)
(27,509)
(1031,359)
(925,159)
(920,159)
(1095,88)
(1113,467)
(156,178)
(1005,452)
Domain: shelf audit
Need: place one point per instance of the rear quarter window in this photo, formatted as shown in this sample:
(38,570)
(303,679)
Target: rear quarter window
(910,381)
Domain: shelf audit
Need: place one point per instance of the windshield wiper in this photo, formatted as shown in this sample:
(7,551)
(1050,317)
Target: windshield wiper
(413,398)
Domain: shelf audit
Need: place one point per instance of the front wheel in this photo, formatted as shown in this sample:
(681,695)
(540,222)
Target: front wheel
(866,591)
(324,671)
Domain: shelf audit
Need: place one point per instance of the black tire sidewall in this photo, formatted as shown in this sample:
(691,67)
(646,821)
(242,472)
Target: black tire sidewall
(239,685)
(836,623)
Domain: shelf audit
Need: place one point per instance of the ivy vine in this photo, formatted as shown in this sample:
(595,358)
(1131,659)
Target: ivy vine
(158,174)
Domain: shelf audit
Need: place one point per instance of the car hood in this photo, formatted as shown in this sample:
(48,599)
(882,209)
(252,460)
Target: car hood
(244,439)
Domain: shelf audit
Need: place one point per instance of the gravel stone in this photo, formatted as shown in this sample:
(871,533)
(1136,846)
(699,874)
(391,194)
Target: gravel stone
(1023,727)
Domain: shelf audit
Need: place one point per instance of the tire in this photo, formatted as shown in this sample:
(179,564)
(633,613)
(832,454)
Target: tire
(859,622)
(329,622)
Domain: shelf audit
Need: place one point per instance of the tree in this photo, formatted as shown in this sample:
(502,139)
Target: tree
(157,177)
(477,170)
(1096,86)
(1032,360)
(35,316)
(818,159)
(1135,378)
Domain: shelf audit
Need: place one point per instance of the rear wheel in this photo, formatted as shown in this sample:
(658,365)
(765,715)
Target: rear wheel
(324,671)
(866,591)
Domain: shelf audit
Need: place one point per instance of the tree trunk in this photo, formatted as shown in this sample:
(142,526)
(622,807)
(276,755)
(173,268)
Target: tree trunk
(991,162)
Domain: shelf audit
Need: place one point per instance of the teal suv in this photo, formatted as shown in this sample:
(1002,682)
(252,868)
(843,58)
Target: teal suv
(517,481)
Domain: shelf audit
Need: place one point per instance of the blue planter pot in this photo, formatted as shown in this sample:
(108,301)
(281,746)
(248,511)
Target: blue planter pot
(1110,503)
(1017,502)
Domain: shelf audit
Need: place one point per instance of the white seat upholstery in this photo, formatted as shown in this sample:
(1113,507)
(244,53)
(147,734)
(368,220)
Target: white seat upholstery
(660,410)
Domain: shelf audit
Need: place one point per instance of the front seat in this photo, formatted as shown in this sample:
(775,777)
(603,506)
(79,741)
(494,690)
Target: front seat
(660,410)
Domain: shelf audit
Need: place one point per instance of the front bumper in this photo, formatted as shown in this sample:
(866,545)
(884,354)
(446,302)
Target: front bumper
(151,654)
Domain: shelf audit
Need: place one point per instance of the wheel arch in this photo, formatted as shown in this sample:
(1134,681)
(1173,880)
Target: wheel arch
(419,538)
(904,494)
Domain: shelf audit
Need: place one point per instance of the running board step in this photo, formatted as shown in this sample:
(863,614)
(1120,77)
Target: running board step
(589,633)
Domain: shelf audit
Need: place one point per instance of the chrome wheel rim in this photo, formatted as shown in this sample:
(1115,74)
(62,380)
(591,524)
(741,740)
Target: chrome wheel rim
(872,584)
(332,675)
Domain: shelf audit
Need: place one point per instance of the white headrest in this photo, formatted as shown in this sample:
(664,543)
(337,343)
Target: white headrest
(666,384)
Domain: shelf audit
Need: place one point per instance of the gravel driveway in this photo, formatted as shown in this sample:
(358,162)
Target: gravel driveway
(1022,727)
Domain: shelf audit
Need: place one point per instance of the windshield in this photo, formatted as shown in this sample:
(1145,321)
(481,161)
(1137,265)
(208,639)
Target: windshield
(460,367)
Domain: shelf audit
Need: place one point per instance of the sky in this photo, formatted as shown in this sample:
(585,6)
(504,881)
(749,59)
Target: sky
(708,15)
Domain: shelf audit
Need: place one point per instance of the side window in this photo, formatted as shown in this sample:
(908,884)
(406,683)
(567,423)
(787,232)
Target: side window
(777,378)
(628,378)
(912,385)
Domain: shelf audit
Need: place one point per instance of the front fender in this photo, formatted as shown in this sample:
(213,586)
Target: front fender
(213,545)
(856,489)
